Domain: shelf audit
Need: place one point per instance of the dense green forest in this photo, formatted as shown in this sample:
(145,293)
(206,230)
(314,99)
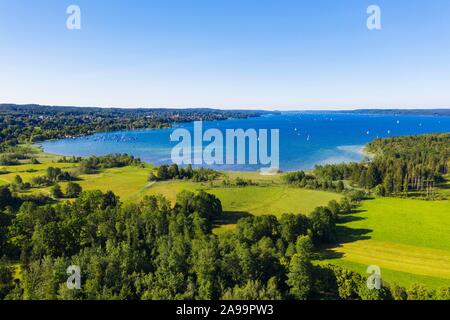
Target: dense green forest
(400,165)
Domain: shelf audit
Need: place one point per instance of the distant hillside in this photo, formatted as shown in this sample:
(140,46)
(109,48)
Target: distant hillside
(36,109)
(416,112)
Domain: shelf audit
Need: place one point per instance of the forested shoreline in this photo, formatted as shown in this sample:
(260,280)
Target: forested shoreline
(402,166)
(22,124)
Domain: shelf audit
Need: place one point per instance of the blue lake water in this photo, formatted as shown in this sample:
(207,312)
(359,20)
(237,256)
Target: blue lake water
(306,138)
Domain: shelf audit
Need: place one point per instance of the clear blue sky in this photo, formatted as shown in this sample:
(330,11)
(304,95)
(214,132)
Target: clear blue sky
(273,54)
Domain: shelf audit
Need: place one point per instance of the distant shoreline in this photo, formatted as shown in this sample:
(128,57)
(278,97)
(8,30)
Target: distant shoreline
(389,111)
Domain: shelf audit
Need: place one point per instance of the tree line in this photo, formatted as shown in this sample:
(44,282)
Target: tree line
(174,172)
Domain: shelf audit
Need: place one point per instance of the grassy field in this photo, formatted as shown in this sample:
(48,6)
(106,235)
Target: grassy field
(28,171)
(252,200)
(409,239)
(126,182)
(272,200)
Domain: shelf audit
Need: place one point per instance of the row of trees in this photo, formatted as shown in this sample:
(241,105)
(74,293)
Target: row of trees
(93,164)
(304,180)
(238,182)
(73,190)
(171,172)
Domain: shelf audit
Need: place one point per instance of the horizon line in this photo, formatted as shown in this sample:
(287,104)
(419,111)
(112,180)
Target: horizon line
(263,108)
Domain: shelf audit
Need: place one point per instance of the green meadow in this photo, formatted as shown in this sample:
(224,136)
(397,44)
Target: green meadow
(28,171)
(239,202)
(408,239)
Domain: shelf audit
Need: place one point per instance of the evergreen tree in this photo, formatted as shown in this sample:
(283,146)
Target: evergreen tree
(299,277)
(163,172)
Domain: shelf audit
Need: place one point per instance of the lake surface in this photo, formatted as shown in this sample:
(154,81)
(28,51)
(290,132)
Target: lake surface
(306,138)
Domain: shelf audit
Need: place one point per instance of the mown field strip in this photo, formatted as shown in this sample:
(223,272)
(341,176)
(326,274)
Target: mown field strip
(405,258)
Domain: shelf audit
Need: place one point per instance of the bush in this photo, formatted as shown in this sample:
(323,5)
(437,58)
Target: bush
(39,181)
(73,190)
(56,191)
